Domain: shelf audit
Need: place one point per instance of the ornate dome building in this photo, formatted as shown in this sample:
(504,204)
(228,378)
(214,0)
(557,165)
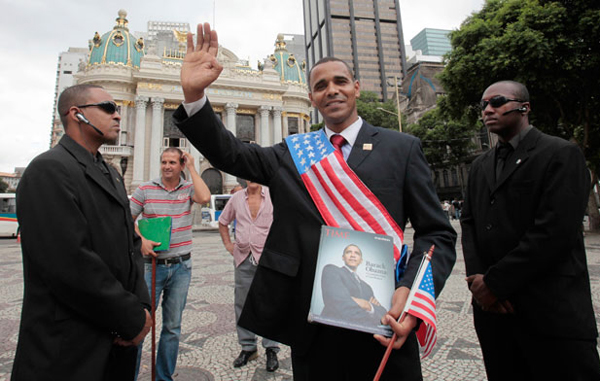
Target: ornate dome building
(142,74)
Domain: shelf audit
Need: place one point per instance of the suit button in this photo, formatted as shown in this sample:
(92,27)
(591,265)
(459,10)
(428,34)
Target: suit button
(492,201)
(488,227)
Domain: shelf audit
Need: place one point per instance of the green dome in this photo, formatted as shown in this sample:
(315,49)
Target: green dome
(117,46)
(288,67)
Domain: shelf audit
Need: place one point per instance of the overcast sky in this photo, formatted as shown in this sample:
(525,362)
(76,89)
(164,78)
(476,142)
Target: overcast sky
(34,32)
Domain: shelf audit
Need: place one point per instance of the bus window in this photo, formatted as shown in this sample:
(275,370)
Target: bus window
(9,226)
(212,212)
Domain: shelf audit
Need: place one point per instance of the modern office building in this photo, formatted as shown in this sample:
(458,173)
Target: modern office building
(69,63)
(432,42)
(367,34)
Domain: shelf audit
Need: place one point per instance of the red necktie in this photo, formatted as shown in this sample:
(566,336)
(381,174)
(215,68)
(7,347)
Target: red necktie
(338,141)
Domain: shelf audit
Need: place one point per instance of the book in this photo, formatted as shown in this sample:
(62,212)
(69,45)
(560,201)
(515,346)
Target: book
(158,230)
(354,280)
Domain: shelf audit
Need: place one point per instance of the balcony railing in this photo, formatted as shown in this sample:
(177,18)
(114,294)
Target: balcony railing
(116,150)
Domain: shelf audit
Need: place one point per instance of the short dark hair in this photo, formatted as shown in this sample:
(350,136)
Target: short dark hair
(520,91)
(352,244)
(174,150)
(329,59)
(73,96)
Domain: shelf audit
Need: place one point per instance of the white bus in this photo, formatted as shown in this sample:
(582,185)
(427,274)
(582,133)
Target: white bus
(213,209)
(9,227)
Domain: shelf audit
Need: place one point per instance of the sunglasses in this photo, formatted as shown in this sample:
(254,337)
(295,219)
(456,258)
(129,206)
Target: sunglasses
(108,107)
(497,101)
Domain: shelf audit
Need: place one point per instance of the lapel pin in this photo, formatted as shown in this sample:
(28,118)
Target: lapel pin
(367,147)
(518,161)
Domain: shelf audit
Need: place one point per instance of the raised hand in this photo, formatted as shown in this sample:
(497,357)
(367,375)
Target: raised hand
(200,67)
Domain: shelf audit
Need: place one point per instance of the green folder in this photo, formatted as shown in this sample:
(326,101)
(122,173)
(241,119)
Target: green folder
(157,230)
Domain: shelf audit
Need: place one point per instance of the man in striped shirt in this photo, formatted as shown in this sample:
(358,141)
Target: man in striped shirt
(170,195)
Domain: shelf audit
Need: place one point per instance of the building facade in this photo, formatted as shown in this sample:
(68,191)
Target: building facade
(431,42)
(142,74)
(367,34)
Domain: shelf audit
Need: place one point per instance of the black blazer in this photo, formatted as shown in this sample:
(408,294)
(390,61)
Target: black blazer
(394,169)
(339,286)
(524,233)
(82,268)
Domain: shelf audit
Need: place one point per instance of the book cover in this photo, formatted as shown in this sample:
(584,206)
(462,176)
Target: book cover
(354,280)
(158,230)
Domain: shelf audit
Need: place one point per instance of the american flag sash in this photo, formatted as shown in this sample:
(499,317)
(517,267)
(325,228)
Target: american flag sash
(343,200)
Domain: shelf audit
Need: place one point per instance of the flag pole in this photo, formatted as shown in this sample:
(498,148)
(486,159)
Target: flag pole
(153,363)
(388,350)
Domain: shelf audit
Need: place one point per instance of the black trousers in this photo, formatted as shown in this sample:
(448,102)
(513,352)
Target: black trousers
(512,352)
(343,355)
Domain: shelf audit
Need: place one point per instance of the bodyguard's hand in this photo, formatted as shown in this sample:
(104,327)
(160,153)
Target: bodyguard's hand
(403,328)
(138,339)
(147,326)
(200,67)
(481,293)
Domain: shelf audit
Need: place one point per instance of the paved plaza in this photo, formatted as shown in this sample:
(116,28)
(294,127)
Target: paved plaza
(209,341)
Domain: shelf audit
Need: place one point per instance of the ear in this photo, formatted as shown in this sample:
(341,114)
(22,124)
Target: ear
(311,99)
(356,88)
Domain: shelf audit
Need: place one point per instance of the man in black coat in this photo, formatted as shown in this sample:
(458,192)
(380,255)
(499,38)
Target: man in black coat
(347,296)
(86,304)
(524,249)
(390,164)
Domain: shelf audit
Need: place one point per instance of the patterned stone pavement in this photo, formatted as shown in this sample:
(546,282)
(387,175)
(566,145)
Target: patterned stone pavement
(209,342)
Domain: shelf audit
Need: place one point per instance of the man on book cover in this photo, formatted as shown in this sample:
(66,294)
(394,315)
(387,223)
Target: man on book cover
(346,295)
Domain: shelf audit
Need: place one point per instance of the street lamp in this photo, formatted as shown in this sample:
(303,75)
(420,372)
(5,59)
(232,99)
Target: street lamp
(397,83)
(396,115)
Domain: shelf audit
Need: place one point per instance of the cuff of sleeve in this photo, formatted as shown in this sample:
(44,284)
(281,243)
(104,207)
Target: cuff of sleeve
(193,107)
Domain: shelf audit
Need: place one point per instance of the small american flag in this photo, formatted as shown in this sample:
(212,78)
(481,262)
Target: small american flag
(342,198)
(422,305)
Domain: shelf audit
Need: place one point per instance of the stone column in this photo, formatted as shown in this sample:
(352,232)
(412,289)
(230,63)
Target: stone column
(156,136)
(231,113)
(139,146)
(264,125)
(231,124)
(286,127)
(277,136)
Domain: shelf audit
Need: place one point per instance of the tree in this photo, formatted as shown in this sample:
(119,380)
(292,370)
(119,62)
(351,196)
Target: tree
(3,186)
(446,142)
(369,108)
(553,47)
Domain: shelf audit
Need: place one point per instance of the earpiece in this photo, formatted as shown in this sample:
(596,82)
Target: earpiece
(523,109)
(81,117)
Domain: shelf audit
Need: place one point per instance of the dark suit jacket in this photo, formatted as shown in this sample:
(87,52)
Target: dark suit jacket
(524,234)
(339,286)
(82,269)
(395,170)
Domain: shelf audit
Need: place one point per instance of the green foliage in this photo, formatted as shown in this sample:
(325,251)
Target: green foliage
(316,126)
(3,186)
(446,141)
(552,46)
(368,106)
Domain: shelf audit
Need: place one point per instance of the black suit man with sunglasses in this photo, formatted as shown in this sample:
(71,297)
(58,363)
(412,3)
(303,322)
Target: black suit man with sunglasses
(85,305)
(524,250)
